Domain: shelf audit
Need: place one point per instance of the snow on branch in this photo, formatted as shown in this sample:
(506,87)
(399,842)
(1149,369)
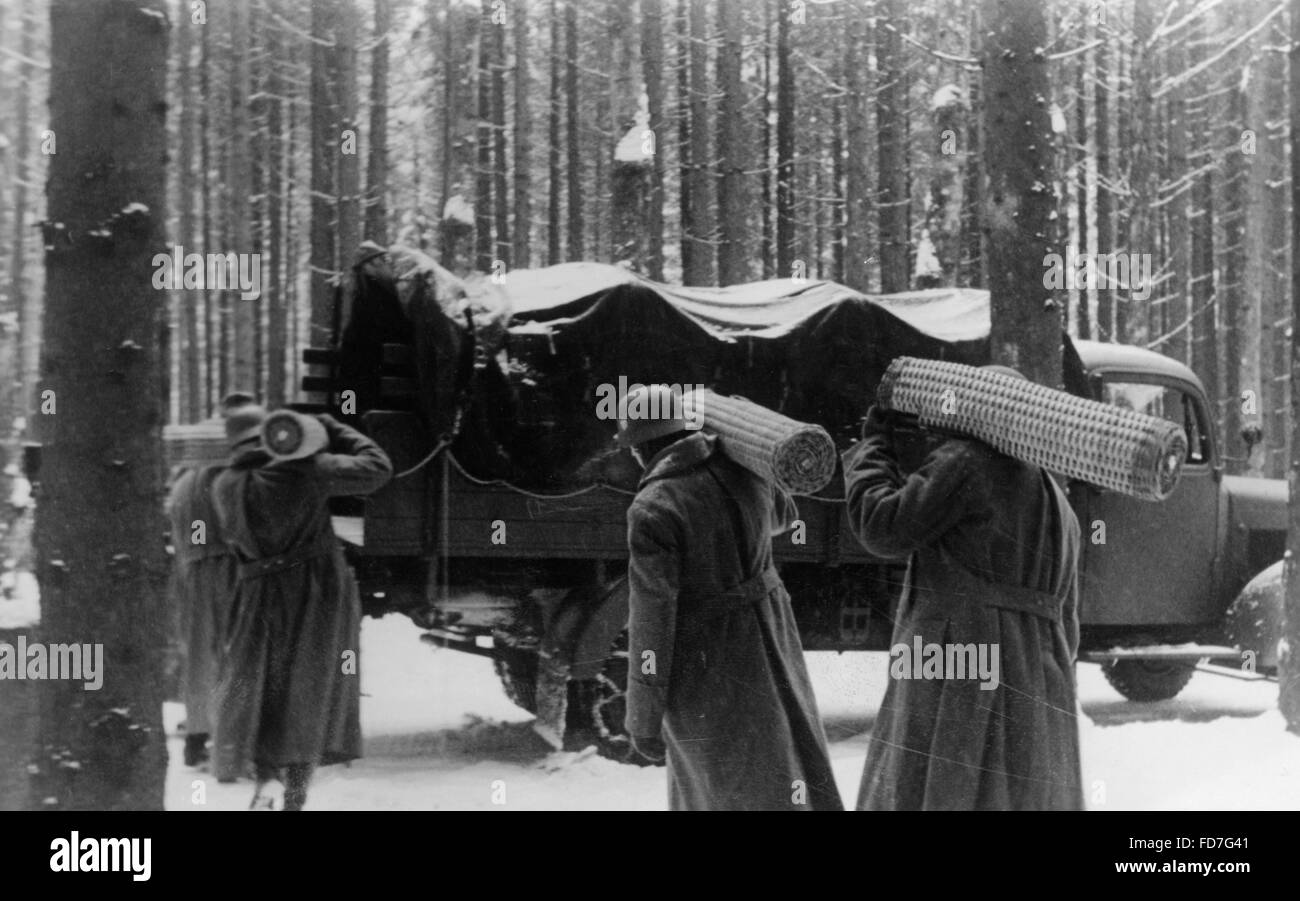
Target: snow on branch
(1204,64)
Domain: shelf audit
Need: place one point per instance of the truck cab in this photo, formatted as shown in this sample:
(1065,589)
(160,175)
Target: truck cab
(1158,575)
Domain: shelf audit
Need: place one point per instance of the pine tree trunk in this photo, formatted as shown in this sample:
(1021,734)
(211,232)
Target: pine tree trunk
(1175,299)
(891,127)
(325,144)
(239,190)
(1204,306)
(1083,322)
(1026,316)
(1105,208)
(857,189)
(377,161)
(1241,313)
(731,153)
(100,563)
(191,353)
(786,246)
(1140,145)
(697,188)
(652,66)
(974,255)
(500,165)
(1289,649)
(555,180)
(23,300)
(523,212)
(573,176)
(349,175)
(277,272)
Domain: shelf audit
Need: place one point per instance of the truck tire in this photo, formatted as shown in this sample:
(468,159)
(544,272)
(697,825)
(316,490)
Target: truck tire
(518,674)
(1147,680)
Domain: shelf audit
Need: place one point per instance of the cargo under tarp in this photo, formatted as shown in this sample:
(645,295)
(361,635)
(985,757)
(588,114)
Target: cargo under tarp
(813,350)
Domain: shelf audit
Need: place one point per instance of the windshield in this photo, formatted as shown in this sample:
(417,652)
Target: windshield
(1166,402)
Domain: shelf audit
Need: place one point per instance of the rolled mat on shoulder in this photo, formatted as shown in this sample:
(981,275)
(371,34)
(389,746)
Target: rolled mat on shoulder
(1108,446)
(795,455)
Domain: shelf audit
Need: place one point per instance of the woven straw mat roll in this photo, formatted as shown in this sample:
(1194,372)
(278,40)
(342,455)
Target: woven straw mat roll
(795,455)
(1105,445)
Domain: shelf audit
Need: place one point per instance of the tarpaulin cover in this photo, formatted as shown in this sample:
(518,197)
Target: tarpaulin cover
(812,350)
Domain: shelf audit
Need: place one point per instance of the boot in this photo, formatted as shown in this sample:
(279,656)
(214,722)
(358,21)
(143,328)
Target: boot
(297,777)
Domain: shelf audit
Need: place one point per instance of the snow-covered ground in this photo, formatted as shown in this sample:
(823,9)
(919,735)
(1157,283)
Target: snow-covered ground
(440,735)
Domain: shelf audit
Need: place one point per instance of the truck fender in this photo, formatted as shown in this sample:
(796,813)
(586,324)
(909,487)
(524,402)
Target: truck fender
(580,632)
(1254,620)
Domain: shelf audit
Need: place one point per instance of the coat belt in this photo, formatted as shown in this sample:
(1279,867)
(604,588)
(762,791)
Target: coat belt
(748,592)
(323,546)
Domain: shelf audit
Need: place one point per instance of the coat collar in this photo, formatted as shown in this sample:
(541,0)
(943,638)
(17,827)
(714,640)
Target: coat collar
(679,456)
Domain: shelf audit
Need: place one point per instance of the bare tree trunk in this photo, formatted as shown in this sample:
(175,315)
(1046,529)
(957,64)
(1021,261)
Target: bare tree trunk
(278,273)
(652,65)
(349,175)
(786,246)
(100,563)
(1026,316)
(1241,313)
(24,301)
(857,212)
(732,145)
(523,226)
(697,182)
(1083,322)
(556,176)
(891,128)
(1204,303)
(500,165)
(574,138)
(326,139)
(191,353)
(239,190)
(1289,649)
(1105,177)
(377,161)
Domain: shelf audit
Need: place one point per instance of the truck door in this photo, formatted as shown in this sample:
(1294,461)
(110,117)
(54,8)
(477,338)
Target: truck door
(1153,563)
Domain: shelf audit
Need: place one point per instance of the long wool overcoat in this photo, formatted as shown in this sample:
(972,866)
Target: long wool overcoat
(993,548)
(714,652)
(290,686)
(204,586)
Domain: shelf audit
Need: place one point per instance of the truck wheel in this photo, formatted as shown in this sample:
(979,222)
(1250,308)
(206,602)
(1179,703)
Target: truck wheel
(600,705)
(518,675)
(1147,680)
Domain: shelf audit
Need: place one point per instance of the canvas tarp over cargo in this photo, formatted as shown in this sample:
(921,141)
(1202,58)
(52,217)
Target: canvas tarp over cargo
(812,350)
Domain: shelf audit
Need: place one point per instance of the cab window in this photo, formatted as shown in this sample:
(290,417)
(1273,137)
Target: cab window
(1169,403)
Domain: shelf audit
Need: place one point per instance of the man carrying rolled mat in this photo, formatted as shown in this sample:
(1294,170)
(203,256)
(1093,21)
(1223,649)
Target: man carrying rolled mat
(716,675)
(289,696)
(992,546)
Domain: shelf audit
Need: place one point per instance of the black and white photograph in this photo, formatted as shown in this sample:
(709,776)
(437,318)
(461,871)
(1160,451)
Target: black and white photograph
(651,405)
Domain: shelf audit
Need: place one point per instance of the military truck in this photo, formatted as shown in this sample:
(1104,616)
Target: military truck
(504,533)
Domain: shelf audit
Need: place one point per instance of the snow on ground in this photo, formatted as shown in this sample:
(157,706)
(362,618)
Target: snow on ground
(440,735)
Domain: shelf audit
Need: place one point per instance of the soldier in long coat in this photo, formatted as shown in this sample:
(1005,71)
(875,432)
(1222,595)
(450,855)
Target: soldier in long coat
(290,693)
(204,585)
(716,678)
(993,548)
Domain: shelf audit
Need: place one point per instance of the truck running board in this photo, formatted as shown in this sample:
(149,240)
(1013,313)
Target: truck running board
(1234,673)
(1162,652)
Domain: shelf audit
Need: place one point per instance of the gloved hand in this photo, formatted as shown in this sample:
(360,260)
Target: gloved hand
(879,421)
(651,746)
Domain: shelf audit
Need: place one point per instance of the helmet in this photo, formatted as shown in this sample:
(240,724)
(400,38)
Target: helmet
(650,411)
